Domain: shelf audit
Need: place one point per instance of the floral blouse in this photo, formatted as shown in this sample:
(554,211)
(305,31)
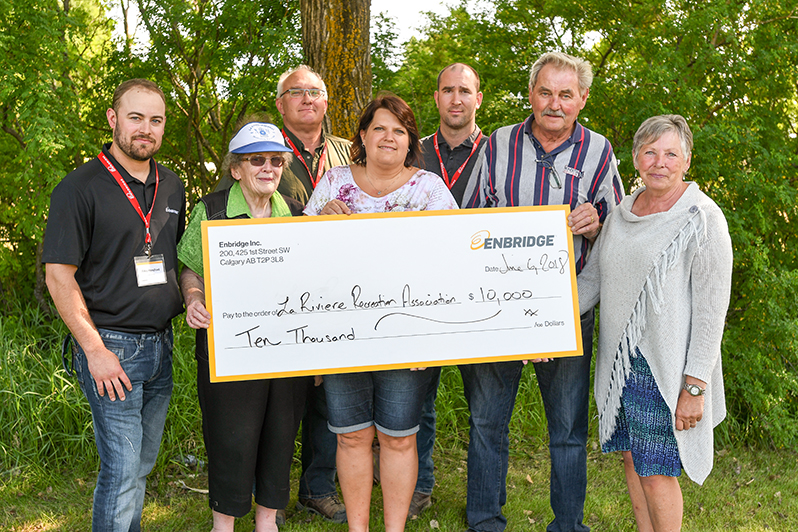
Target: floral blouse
(424,191)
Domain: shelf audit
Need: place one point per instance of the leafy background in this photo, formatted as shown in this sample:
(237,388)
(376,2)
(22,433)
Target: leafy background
(729,67)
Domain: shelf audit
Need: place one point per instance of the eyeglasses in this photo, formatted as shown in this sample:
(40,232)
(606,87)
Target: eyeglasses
(260,160)
(299,93)
(553,175)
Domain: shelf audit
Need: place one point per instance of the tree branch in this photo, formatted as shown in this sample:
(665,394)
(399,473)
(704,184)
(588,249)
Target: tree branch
(11,131)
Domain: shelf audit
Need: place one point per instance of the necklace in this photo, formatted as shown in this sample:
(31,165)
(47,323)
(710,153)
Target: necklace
(387,186)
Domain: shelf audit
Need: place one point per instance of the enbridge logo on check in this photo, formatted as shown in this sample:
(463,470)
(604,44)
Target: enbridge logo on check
(478,239)
(483,240)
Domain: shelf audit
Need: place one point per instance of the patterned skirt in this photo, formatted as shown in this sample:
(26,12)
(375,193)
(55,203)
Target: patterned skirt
(643,425)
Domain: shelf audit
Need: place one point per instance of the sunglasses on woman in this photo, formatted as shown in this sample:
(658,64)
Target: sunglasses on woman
(260,160)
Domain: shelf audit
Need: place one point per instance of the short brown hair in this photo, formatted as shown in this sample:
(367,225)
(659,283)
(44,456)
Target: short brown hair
(130,84)
(397,107)
(461,66)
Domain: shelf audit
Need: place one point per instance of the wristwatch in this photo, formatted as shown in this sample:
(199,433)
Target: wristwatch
(694,389)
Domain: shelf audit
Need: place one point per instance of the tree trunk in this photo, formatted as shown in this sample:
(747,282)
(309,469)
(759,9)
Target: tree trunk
(335,41)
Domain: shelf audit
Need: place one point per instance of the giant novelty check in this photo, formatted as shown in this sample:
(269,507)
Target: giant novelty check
(333,294)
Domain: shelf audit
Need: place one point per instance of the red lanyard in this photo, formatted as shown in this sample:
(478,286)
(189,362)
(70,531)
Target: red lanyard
(459,171)
(129,194)
(320,169)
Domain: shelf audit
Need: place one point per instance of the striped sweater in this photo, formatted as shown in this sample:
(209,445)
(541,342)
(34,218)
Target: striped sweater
(514,170)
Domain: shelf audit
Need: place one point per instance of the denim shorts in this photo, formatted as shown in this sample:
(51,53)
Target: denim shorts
(391,400)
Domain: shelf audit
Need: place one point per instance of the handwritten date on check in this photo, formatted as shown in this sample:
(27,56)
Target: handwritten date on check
(334,294)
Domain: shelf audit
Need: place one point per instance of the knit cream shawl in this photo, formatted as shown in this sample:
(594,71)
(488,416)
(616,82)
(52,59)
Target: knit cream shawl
(663,281)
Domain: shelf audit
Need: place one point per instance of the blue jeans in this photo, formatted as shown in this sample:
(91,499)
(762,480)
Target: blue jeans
(564,386)
(128,433)
(425,439)
(318,449)
(490,391)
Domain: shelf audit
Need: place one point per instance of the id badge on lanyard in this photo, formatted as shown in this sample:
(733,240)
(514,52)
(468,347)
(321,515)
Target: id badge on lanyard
(150,269)
(444,174)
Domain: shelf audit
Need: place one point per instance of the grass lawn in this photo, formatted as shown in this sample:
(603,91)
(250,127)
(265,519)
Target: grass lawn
(48,462)
(747,491)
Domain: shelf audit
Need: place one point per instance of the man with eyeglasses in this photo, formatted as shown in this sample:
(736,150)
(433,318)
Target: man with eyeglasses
(302,101)
(548,159)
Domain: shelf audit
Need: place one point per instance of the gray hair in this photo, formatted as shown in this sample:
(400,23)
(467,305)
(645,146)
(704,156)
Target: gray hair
(583,69)
(284,76)
(656,126)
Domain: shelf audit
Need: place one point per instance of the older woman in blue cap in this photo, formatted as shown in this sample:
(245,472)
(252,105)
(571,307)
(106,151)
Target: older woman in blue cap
(249,426)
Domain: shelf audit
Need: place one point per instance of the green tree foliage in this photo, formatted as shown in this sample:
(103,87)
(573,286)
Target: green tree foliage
(728,67)
(217,61)
(732,70)
(500,42)
(59,65)
(384,50)
(49,58)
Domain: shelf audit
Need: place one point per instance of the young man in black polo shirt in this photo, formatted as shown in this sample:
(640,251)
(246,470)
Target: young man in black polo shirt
(110,253)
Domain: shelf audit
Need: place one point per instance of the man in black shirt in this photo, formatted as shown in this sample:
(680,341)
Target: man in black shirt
(452,153)
(110,253)
(453,150)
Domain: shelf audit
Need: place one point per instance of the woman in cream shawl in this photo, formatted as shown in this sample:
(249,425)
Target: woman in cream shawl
(662,270)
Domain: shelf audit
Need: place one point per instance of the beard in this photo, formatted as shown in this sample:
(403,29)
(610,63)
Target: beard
(137,152)
(460,122)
